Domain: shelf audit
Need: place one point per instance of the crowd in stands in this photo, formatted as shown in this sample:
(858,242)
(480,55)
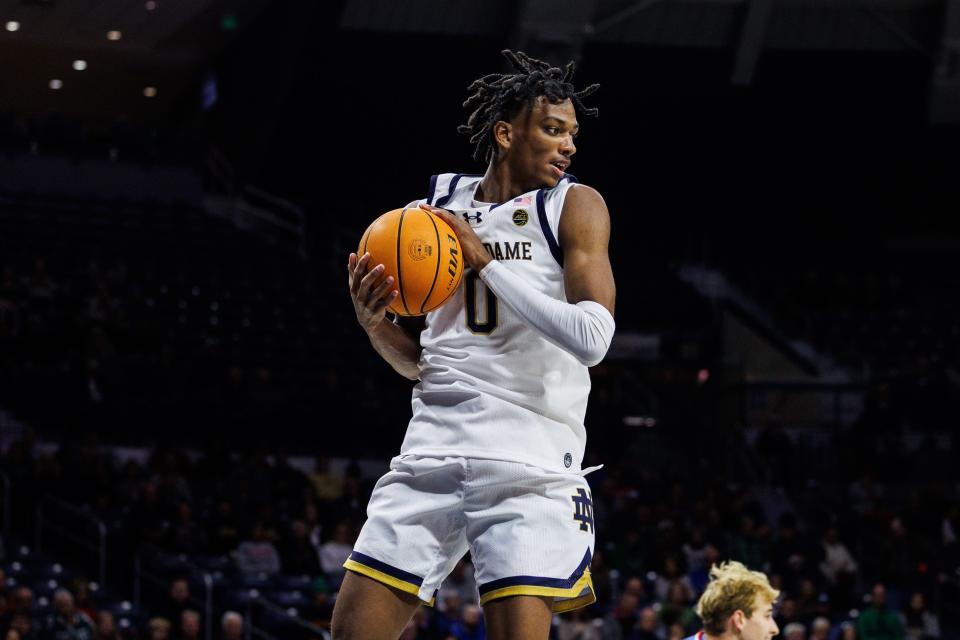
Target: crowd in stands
(884,567)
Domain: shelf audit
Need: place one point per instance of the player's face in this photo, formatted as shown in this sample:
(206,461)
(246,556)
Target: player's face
(760,625)
(543,143)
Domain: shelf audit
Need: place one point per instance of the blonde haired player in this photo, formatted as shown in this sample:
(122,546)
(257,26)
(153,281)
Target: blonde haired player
(737,605)
(491,460)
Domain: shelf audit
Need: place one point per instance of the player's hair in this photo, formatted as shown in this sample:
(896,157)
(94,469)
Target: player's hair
(732,587)
(500,96)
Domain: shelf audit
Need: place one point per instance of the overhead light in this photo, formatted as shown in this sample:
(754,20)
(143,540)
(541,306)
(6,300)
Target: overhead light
(151,5)
(114,35)
(13,25)
(149,92)
(56,84)
(79,65)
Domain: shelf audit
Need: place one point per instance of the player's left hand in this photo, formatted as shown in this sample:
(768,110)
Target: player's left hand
(474,253)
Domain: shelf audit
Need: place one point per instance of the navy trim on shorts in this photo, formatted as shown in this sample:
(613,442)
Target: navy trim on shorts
(537,581)
(545,227)
(383,567)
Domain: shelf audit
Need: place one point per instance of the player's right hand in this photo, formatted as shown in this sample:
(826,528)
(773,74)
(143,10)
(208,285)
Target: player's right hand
(370,291)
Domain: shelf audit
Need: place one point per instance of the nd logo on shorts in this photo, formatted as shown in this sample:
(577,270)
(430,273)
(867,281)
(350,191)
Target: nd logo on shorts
(583,510)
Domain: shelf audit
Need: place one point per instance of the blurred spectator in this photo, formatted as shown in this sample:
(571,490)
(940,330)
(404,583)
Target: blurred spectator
(619,623)
(790,554)
(158,629)
(67,623)
(231,626)
(19,603)
(878,622)
(177,601)
(298,555)
(848,630)
(223,530)
(189,626)
(107,627)
(794,631)
(919,622)
(335,551)
(327,485)
(672,574)
(820,629)
(84,598)
(447,614)
(701,576)
(23,624)
(470,626)
(648,626)
(258,555)
(577,625)
(185,535)
(786,613)
(837,559)
(676,632)
(678,608)
(695,550)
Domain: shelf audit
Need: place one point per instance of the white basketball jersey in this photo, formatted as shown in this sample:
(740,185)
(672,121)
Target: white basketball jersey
(490,385)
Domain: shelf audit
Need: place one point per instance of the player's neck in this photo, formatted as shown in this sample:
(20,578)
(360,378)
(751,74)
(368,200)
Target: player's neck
(497,185)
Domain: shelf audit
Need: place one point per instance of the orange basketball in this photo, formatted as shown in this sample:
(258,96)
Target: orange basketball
(421,252)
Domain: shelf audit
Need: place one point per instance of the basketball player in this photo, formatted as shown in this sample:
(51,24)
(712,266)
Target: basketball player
(491,460)
(736,605)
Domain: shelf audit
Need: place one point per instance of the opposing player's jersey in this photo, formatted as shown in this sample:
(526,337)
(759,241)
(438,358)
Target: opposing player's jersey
(699,635)
(490,385)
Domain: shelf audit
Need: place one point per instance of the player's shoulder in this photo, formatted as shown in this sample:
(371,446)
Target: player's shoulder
(443,186)
(584,198)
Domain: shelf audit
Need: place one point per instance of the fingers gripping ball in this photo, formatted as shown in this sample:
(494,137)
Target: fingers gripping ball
(421,252)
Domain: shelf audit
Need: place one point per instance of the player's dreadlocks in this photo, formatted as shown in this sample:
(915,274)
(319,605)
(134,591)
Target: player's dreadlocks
(500,96)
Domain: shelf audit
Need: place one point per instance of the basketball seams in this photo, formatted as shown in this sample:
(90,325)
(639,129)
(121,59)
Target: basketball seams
(403,297)
(436,272)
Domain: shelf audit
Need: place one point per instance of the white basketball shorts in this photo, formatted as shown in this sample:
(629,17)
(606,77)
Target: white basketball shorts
(529,530)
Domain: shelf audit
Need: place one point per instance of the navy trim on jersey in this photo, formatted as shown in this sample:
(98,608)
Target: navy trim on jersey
(537,581)
(571,177)
(432,189)
(383,567)
(547,231)
(453,187)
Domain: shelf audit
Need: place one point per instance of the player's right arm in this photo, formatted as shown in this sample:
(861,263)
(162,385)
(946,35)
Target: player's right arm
(371,295)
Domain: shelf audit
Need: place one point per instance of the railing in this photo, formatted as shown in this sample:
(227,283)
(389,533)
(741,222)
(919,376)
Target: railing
(797,404)
(70,523)
(289,615)
(152,555)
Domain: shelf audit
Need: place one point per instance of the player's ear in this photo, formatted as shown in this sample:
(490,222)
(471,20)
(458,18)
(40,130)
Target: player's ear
(503,134)
(738,619)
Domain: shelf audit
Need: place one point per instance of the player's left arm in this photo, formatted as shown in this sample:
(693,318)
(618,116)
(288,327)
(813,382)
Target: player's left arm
(584,239)
(583,325)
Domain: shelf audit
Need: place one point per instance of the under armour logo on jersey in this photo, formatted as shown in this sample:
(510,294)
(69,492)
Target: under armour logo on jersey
(584,510)
(468,217)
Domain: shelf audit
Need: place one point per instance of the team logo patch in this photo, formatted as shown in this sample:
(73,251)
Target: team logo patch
(418,249)
(583,509)
(567,460)
(520,217)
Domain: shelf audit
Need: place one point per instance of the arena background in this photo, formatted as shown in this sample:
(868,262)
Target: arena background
(191,418)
